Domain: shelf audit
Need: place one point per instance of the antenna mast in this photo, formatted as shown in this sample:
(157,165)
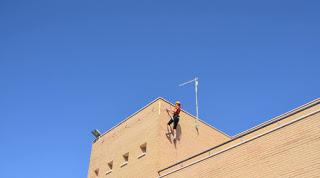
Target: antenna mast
(196,82)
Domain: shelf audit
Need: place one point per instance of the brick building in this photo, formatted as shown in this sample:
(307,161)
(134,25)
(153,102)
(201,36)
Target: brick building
(140,147)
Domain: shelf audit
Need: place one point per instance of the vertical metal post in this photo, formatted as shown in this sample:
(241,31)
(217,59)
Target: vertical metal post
(196,82)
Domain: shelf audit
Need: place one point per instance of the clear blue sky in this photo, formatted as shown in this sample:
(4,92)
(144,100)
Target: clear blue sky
(69,66)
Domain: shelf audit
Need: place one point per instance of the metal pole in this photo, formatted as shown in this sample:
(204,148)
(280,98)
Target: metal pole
(196,82)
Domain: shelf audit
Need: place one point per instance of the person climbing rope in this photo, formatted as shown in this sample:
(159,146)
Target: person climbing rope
(175,118)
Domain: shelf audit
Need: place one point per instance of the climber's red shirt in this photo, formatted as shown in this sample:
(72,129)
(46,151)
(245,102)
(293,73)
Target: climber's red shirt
(177,110)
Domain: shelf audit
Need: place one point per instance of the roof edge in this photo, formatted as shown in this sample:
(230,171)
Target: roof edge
(153,101)
(275,119)
(280,117)
(197,118)
(133,114)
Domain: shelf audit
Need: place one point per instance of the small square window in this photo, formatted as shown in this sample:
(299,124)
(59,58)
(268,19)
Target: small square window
(96,172)
(143,150)
(110,166)
(126,159)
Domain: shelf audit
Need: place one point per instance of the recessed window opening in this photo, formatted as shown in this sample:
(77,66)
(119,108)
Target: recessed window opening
(110,166)
(96,172)
(126,159)
(143,150)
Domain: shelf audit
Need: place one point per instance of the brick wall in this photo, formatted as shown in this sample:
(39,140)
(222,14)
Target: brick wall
(149,126)
(127,138)
(289,151)
(190,139)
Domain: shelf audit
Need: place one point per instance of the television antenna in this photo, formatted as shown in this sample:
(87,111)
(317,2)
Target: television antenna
(196,83)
